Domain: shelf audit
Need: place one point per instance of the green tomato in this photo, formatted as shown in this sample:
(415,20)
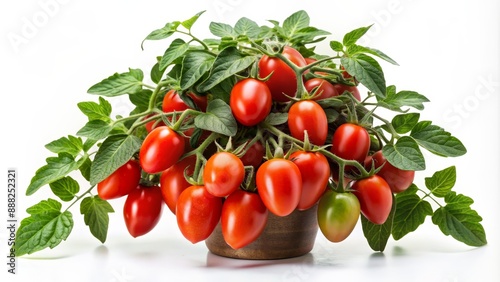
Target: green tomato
(338,214)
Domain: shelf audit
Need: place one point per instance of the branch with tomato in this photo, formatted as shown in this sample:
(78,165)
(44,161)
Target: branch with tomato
(252,122)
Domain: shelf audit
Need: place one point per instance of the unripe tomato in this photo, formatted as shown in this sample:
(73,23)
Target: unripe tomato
(307,115)
(121,182)
(197,213)
(250,101)
(375,198)
(399,180)
(351,142)
(244,217)
(338,214)
(283,80)
(173,182)
(223,174)
(161,148)
(279,183)
(321,87)
(315,171)
(142,209)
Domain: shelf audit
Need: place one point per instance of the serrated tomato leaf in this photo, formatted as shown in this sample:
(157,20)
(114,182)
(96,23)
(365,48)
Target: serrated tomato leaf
(377,235)
(411,212)
(436,140)
(441,182)
(65,188)
(119,84)
(405,154)
(218,118)
(71,145)
(367,71)
(95,215)
(55,169)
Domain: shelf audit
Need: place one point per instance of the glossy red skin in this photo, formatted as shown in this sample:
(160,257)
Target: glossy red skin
(161,149)
(338,214)
(197,213)
(341,88)
(320,87)
(172,102)
(315,171)
(153,124)
(399,180)
(250,101)
(307,115)
(279,183)
(173,182)
(283,79)
(345,74)
(142,209)
(375,198)
(244,217)
(223,174)
(254,155)
(199,100)
(351,142)
(121,182)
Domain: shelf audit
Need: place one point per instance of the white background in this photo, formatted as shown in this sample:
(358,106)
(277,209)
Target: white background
(52,51)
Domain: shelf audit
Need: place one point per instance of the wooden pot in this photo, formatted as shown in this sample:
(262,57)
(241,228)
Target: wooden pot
(283,237)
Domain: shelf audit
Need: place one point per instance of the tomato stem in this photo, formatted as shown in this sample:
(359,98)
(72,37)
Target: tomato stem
(78,198)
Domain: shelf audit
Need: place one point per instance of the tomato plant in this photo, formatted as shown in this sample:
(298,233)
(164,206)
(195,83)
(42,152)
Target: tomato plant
(173,181)
(243,218)
(375,198)
(197,213)
(121,182)
(142,209)
(308,115)
(223,174)
(250,101)
(338,214)
(161,148)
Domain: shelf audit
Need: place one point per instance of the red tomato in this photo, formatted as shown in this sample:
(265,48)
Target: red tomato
(338,214)
(142,209)
(375,198)
(243,218)
(321,87)
(351,142)
(307,115)
(173,182)
(197,212)
(279,183)
(199,100)
(121,182)
(153,124)
(250,101)
(341,88)
(161,148)
(172,102)
(399,180)
(223,174)
(254,155)
(283,80)
(315,171)
(345,74)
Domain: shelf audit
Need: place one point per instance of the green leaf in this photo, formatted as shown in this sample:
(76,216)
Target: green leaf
(295,22)
(218,118)
(85,168)
(411,212)
(222,90)
(245,26)
(441,182)
(55,169)
(46,227)
(357,49)
(65,188)
(95,214)
(141,99)
(405,154)
(114,152)
(176,49)
(194,66)
(162,33)
(377,235)
(71,145)
(436,140)
(119,84)
(222,30)
(352,37)
(308,35)
(156,74)
(404,123)
(367,71)
(336,46)
(394,101)
(189,23)
(460,221)
(95,111)
(277,118)
(228,63)
(95,129)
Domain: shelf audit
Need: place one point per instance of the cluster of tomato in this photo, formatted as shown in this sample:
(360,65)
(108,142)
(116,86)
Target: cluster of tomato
(280,185)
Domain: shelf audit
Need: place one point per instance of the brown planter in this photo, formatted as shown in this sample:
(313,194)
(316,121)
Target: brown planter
(283,237)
